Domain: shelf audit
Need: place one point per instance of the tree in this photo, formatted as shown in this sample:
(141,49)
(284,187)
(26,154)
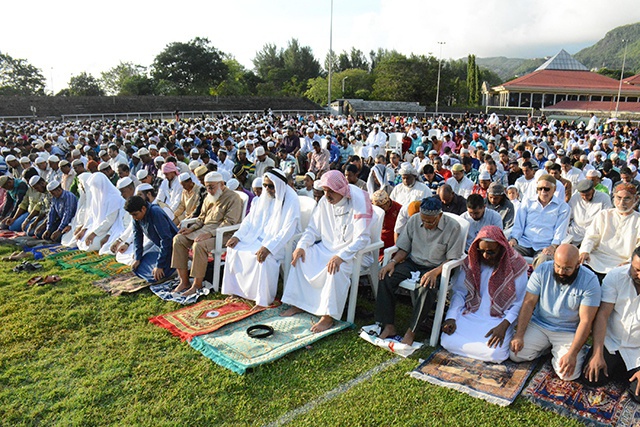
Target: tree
(18,77)
(239,81)
(473,84)
(358,84)
(268,59)
(127,78)
(412,79)
(191,68)
(84,84)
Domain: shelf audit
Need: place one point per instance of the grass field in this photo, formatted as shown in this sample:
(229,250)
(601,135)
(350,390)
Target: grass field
(73,355)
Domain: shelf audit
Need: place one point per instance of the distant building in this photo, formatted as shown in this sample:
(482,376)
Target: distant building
(564,84)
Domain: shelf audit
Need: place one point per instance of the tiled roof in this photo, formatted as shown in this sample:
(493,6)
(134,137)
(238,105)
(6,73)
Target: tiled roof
(379,106)
(562,61)
(631,107)
(569,80)
(633,80)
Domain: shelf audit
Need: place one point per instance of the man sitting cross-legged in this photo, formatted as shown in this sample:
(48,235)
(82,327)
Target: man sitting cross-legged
(222,207)
(486,300)
(425,244)
(322,262)
(256,250)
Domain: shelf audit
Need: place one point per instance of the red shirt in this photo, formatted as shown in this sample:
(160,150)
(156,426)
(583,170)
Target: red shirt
(389,224)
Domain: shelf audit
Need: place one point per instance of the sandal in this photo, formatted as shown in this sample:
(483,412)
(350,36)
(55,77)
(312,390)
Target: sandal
(12,256)
(36,280)
(50,280)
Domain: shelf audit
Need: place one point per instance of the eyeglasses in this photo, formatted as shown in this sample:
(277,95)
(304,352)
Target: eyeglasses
(563,269)
(545,189)
(269,186)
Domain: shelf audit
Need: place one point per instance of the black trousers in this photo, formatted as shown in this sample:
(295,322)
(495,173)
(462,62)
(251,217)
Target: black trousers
(617,371)
(421,298)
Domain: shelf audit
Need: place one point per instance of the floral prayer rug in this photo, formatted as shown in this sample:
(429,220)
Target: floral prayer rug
(205,317)
(46,251)
(232,348)
(125,283)
(610,405)
(497,383)
(107,267)
(74,259)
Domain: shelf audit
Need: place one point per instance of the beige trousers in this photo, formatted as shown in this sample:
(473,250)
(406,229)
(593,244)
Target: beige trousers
(201,251)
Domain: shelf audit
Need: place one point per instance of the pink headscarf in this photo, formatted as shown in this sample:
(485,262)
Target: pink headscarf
(169,167)
(337,182)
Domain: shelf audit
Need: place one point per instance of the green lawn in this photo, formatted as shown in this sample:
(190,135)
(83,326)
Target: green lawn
(73,355)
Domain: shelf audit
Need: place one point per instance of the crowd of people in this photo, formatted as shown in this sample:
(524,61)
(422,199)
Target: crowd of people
(560,197)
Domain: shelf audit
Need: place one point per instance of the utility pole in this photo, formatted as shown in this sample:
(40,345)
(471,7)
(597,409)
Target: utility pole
(439,68)
(330,55)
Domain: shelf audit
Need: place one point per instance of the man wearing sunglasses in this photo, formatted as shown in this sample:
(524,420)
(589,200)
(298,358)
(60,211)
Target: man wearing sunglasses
(541,223)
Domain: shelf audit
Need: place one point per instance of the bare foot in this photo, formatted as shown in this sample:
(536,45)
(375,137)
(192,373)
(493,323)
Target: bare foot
(192,290)
(408,337)
(291,311)
(325,323)
(181,287)
(388,331)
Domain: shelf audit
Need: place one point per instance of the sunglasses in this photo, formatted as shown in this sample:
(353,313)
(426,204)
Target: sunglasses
(269,186)
(545,189)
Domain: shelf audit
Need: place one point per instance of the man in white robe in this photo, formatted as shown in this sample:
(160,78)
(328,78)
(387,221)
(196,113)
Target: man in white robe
(585,204)
(320,278)
(256,250)
(486,300)
(103,219)
(410,189)
(614,233)
(170,191)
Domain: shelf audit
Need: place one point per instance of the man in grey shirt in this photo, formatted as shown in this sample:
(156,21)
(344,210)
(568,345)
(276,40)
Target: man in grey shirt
(426,243)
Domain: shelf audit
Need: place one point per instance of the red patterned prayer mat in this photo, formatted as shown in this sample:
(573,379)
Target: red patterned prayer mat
(205,317)
(610,405)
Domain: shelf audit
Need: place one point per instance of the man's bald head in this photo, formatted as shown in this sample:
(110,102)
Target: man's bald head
(566,264)
(566,253)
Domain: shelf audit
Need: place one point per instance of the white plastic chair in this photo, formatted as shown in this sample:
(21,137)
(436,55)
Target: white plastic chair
(220,249)
(373,249)
(395,142)
(307,205)
(445,278)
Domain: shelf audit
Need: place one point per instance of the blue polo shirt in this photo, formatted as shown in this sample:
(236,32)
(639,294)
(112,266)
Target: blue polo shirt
(557,308)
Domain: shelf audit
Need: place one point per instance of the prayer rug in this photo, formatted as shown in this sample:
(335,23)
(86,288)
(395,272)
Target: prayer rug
(45,251)
(125,283)
(610,405)
(107,267)
(74,259)
(231,347)
(497,383)
(205,317)
(165,291)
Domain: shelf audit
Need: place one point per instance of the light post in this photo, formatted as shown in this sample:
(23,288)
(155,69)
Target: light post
(439,68)
(624,58)
(330,55)
(345,78)
(53,92)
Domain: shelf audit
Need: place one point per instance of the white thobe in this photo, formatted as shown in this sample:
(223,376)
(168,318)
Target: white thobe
(170,192)
(405,195)
(582,214)
(610,239)
(463,188)
(469,337)
(310,287)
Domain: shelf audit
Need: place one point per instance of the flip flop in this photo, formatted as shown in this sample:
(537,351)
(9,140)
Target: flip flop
(51,280)
(36,280)
(11,257)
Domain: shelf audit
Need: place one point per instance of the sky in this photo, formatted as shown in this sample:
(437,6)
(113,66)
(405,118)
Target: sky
(66,37)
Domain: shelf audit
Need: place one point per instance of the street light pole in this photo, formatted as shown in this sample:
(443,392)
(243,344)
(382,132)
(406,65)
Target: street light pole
(330,55)
(624,58)
(439,68)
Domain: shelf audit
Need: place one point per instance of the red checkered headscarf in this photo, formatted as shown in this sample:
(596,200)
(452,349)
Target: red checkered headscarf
(337,182)
(502,287)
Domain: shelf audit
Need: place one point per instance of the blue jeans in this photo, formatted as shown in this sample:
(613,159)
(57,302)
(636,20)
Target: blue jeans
(17,224)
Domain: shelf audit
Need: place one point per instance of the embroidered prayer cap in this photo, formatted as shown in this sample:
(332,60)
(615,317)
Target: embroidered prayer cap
(407,169)
(10,158)
(379,198)
(257,183)
(592,173)
(260,151)
(457,167)
(41,159)
(34,180)
(102,166)
(142,174)
(184,177)
(169,167)
(143,152)
(233,184)
(54,158)
(484,176)
(431,206)
(53,185)
(3,180)
(64,163)
(420,148)
(201,170)
(496,189)
(337,182)
(193,165)
(144,187)
(159,159)
(213,177)
(123,182)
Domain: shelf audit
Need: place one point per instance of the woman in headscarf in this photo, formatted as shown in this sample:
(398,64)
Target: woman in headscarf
(379,179)
(486,300)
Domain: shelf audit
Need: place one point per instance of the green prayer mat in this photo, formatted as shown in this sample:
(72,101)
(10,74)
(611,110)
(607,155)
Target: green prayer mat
(232,348)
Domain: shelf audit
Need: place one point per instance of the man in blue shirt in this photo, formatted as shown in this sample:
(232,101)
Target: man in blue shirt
(63,208)
(561,301)
(151,221)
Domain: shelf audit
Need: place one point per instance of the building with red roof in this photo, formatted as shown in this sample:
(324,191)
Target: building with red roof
(562,83)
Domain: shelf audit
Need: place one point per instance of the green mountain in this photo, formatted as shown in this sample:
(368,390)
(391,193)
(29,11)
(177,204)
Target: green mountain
(609,51)
(507,68)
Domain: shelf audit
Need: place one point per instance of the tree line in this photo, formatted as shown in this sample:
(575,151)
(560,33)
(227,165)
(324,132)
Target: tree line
(196,67)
